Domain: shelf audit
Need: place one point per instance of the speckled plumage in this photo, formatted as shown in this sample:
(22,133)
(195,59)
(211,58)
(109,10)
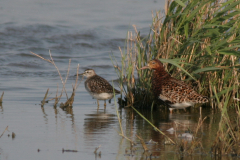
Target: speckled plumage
(174,92)
(98,87)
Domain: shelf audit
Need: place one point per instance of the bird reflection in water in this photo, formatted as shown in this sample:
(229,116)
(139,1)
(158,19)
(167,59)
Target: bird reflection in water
(97,123)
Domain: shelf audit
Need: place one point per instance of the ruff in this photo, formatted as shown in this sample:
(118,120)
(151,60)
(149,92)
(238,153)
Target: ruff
(173,92)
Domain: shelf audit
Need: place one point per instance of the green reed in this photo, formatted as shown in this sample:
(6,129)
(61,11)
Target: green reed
(227,136)
(198,42)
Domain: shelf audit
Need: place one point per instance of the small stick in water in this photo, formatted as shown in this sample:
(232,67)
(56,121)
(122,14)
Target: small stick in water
(68,150)
(45,97)
(143,143)
(4,131)
(1,100)
(95,152)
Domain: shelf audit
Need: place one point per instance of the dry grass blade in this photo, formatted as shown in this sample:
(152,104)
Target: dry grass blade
(42,57)
(70,100)
(52,62)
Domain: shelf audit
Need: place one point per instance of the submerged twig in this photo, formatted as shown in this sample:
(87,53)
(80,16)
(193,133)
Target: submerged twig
(44,99)
(1,100)
(68,150)
(143,143)
(56,98)
(70,101)
(4,131)
(95,152)
(133,143)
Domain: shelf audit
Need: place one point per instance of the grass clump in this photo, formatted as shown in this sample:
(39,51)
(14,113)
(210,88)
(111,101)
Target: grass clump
(68,104)
(198,42)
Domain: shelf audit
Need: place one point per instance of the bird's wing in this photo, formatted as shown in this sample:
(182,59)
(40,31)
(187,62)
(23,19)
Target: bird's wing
(100,85)
(176,91)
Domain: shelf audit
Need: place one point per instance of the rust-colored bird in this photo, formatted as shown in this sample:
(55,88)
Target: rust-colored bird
(173,92)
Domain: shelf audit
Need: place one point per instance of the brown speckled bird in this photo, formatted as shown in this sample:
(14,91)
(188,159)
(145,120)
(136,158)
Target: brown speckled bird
(98,87)
(173,92)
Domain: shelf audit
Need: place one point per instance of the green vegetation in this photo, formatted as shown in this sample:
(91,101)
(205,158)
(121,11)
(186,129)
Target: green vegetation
(198,41)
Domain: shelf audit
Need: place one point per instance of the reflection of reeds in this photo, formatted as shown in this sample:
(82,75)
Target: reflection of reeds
(167,139)
(96,149)
(70,100)
(227,139)
(192,144)
(44,98)
(119,120)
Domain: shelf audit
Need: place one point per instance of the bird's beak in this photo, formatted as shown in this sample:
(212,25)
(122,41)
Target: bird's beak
(80,74)
(145,67)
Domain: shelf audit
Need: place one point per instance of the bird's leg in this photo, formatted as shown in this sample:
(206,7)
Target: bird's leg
(109,101)
(170,109)
(97,103)
(105,104)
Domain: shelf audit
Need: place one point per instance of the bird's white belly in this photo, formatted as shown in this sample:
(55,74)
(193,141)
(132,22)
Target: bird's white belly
(178,105)
(181,105)
(101,96)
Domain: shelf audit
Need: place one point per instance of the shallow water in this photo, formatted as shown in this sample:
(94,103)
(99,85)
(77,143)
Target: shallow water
(85,32)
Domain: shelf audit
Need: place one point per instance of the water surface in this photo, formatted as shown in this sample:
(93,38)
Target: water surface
(85,32)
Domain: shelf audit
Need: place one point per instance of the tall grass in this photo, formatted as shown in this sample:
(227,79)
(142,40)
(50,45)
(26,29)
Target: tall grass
(198,41)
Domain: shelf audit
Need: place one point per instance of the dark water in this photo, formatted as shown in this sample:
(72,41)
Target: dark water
(85,32)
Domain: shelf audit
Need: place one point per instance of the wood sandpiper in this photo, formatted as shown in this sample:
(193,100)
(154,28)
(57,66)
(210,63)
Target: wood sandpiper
(98,87)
